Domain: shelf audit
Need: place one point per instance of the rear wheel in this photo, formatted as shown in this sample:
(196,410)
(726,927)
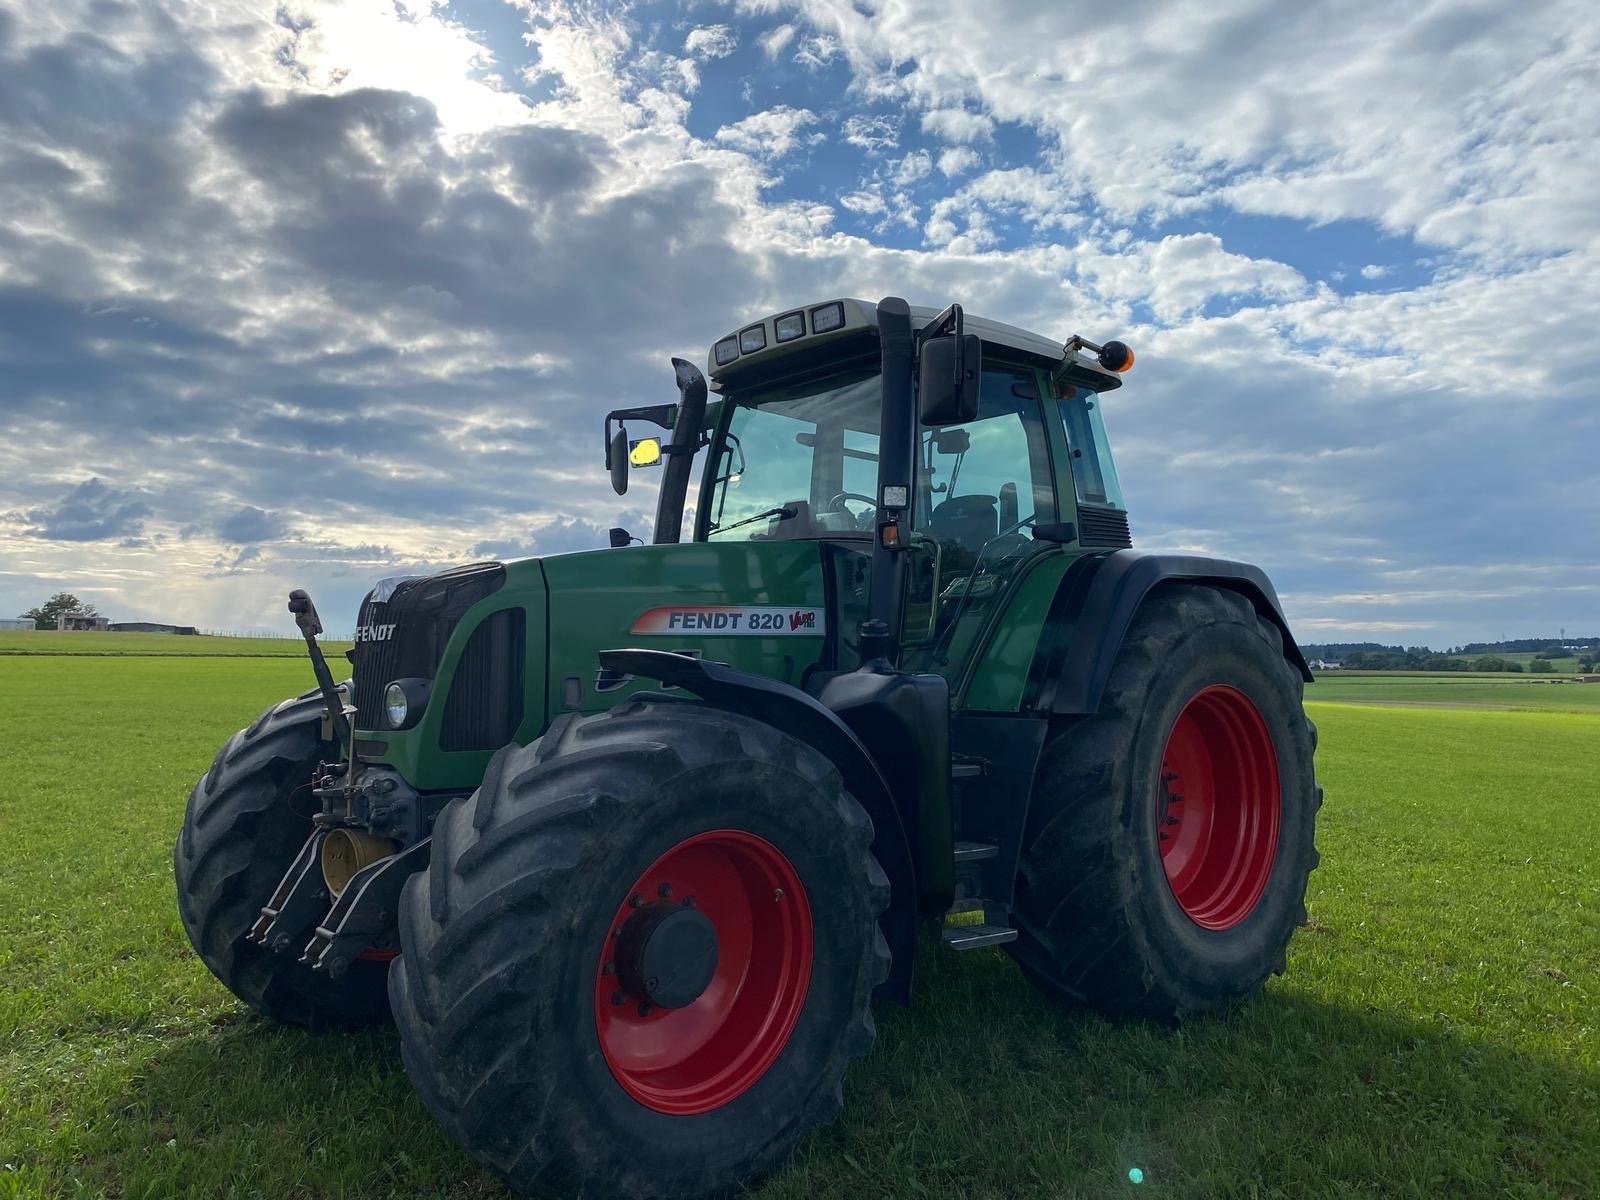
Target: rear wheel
(1171,834)
(643,954)
(246,820)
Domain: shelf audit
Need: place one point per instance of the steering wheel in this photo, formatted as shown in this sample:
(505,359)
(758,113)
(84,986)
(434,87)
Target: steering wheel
(863,520)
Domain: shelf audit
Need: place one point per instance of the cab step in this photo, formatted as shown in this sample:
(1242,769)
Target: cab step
(976,937)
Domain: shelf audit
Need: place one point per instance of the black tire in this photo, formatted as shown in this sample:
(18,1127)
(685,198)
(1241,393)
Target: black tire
(1097,919)
(241,831)
(495,990)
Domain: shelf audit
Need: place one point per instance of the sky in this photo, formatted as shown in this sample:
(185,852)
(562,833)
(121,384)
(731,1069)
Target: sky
(305,294)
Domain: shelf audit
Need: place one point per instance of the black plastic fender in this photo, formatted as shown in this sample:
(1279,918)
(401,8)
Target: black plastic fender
(1094,605)
(788,708)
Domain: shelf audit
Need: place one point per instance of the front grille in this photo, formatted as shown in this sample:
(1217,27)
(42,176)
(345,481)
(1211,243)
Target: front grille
(423,613)
(484,707)
(1102,525)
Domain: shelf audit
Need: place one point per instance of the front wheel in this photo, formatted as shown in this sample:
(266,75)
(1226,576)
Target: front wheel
(643,954)
(1171,834)
(246,820)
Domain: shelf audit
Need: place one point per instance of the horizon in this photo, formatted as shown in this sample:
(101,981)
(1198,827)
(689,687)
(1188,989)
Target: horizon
(312,294)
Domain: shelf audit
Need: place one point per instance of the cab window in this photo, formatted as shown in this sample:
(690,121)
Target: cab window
(1094,474)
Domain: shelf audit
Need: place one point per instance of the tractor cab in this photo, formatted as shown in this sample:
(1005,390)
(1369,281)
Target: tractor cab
(790,450)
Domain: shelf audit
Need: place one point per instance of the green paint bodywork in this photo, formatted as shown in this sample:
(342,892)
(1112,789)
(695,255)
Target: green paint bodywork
(579,604)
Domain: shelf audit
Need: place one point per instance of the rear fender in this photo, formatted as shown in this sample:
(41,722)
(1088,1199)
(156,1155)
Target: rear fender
(1095,604)
(793,711)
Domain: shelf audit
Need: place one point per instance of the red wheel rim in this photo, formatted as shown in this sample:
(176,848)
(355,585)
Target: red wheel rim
(1219,806)
(701,1056)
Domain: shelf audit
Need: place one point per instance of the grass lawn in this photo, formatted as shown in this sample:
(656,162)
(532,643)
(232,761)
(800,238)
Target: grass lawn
(157,645)
(1438,1032)
(1536,693)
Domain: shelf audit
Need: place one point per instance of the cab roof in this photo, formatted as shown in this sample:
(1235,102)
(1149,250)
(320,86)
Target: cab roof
(848,318)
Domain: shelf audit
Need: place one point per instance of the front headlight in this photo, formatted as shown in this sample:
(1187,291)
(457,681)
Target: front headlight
(395,707)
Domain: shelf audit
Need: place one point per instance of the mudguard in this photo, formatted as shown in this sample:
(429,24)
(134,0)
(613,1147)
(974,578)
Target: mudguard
(1094,606)
(796,713)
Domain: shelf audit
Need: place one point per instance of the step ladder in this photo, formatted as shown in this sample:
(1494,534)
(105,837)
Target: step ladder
(976,937)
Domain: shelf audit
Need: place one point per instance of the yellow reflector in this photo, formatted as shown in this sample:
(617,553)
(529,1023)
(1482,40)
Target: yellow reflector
(646,452)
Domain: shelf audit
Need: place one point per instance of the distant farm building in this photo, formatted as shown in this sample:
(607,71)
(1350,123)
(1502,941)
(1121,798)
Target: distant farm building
(77,623)
(1319,664)
(16,624)
(151,627)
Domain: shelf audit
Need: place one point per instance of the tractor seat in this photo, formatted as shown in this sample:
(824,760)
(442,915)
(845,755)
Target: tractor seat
(969,521)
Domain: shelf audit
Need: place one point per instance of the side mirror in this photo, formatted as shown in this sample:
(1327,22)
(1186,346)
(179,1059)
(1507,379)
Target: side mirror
(942,398)
(617,460)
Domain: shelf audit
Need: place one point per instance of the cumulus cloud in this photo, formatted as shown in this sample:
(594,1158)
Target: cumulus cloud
(252,524)
(958,160)
(957,125)
(770,134)
(710,42)
(90,512)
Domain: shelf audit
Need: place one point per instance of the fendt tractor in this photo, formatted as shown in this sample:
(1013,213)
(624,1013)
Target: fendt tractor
(629,841)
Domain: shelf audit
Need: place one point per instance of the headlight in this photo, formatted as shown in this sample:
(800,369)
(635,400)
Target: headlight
(395,706)
(790,326)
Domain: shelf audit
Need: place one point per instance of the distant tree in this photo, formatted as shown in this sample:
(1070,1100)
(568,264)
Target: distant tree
(1490,662)
(62,604)
(1586,664)
(1541,666)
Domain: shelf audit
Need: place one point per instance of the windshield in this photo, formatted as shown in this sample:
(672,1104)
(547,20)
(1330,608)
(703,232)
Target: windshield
(798,461)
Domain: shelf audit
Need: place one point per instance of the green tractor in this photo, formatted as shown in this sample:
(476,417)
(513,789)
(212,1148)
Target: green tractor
(629,841)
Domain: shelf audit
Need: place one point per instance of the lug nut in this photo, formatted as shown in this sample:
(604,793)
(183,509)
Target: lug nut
(664,890)
(636,900)
(644,1008)
(609,969)
(777,893)
(688,902)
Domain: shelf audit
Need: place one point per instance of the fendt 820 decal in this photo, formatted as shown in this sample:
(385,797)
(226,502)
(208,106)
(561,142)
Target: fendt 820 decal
(733,620)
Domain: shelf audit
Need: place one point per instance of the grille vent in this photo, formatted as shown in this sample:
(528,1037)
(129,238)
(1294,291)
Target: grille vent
(484,707)
(424,613)
(1102,525)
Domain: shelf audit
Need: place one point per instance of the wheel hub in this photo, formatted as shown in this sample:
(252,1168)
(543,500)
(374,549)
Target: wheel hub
(667,955)
(1218,807)
(703,972)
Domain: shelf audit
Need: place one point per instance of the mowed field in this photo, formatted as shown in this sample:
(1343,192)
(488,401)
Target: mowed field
(1437,1033)
(1417,688)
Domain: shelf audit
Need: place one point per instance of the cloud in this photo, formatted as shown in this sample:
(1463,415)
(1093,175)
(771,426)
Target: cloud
(775,41)
(1374,271)
(92,511)
(872,132)
(957,160)
(708,42)
(252,524)
(958,125)
(771,134)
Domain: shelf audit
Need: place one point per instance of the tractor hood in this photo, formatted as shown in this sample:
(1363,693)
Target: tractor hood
(494,651)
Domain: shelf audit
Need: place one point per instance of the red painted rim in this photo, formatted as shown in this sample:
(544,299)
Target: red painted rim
(1219,807)
(694,1059)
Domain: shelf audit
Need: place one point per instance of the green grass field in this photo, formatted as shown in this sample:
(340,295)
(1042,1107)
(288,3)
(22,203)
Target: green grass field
(1437,1034)
(1417,688)
(141,645)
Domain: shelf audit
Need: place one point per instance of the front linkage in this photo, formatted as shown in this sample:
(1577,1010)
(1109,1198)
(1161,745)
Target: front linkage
(339,899)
